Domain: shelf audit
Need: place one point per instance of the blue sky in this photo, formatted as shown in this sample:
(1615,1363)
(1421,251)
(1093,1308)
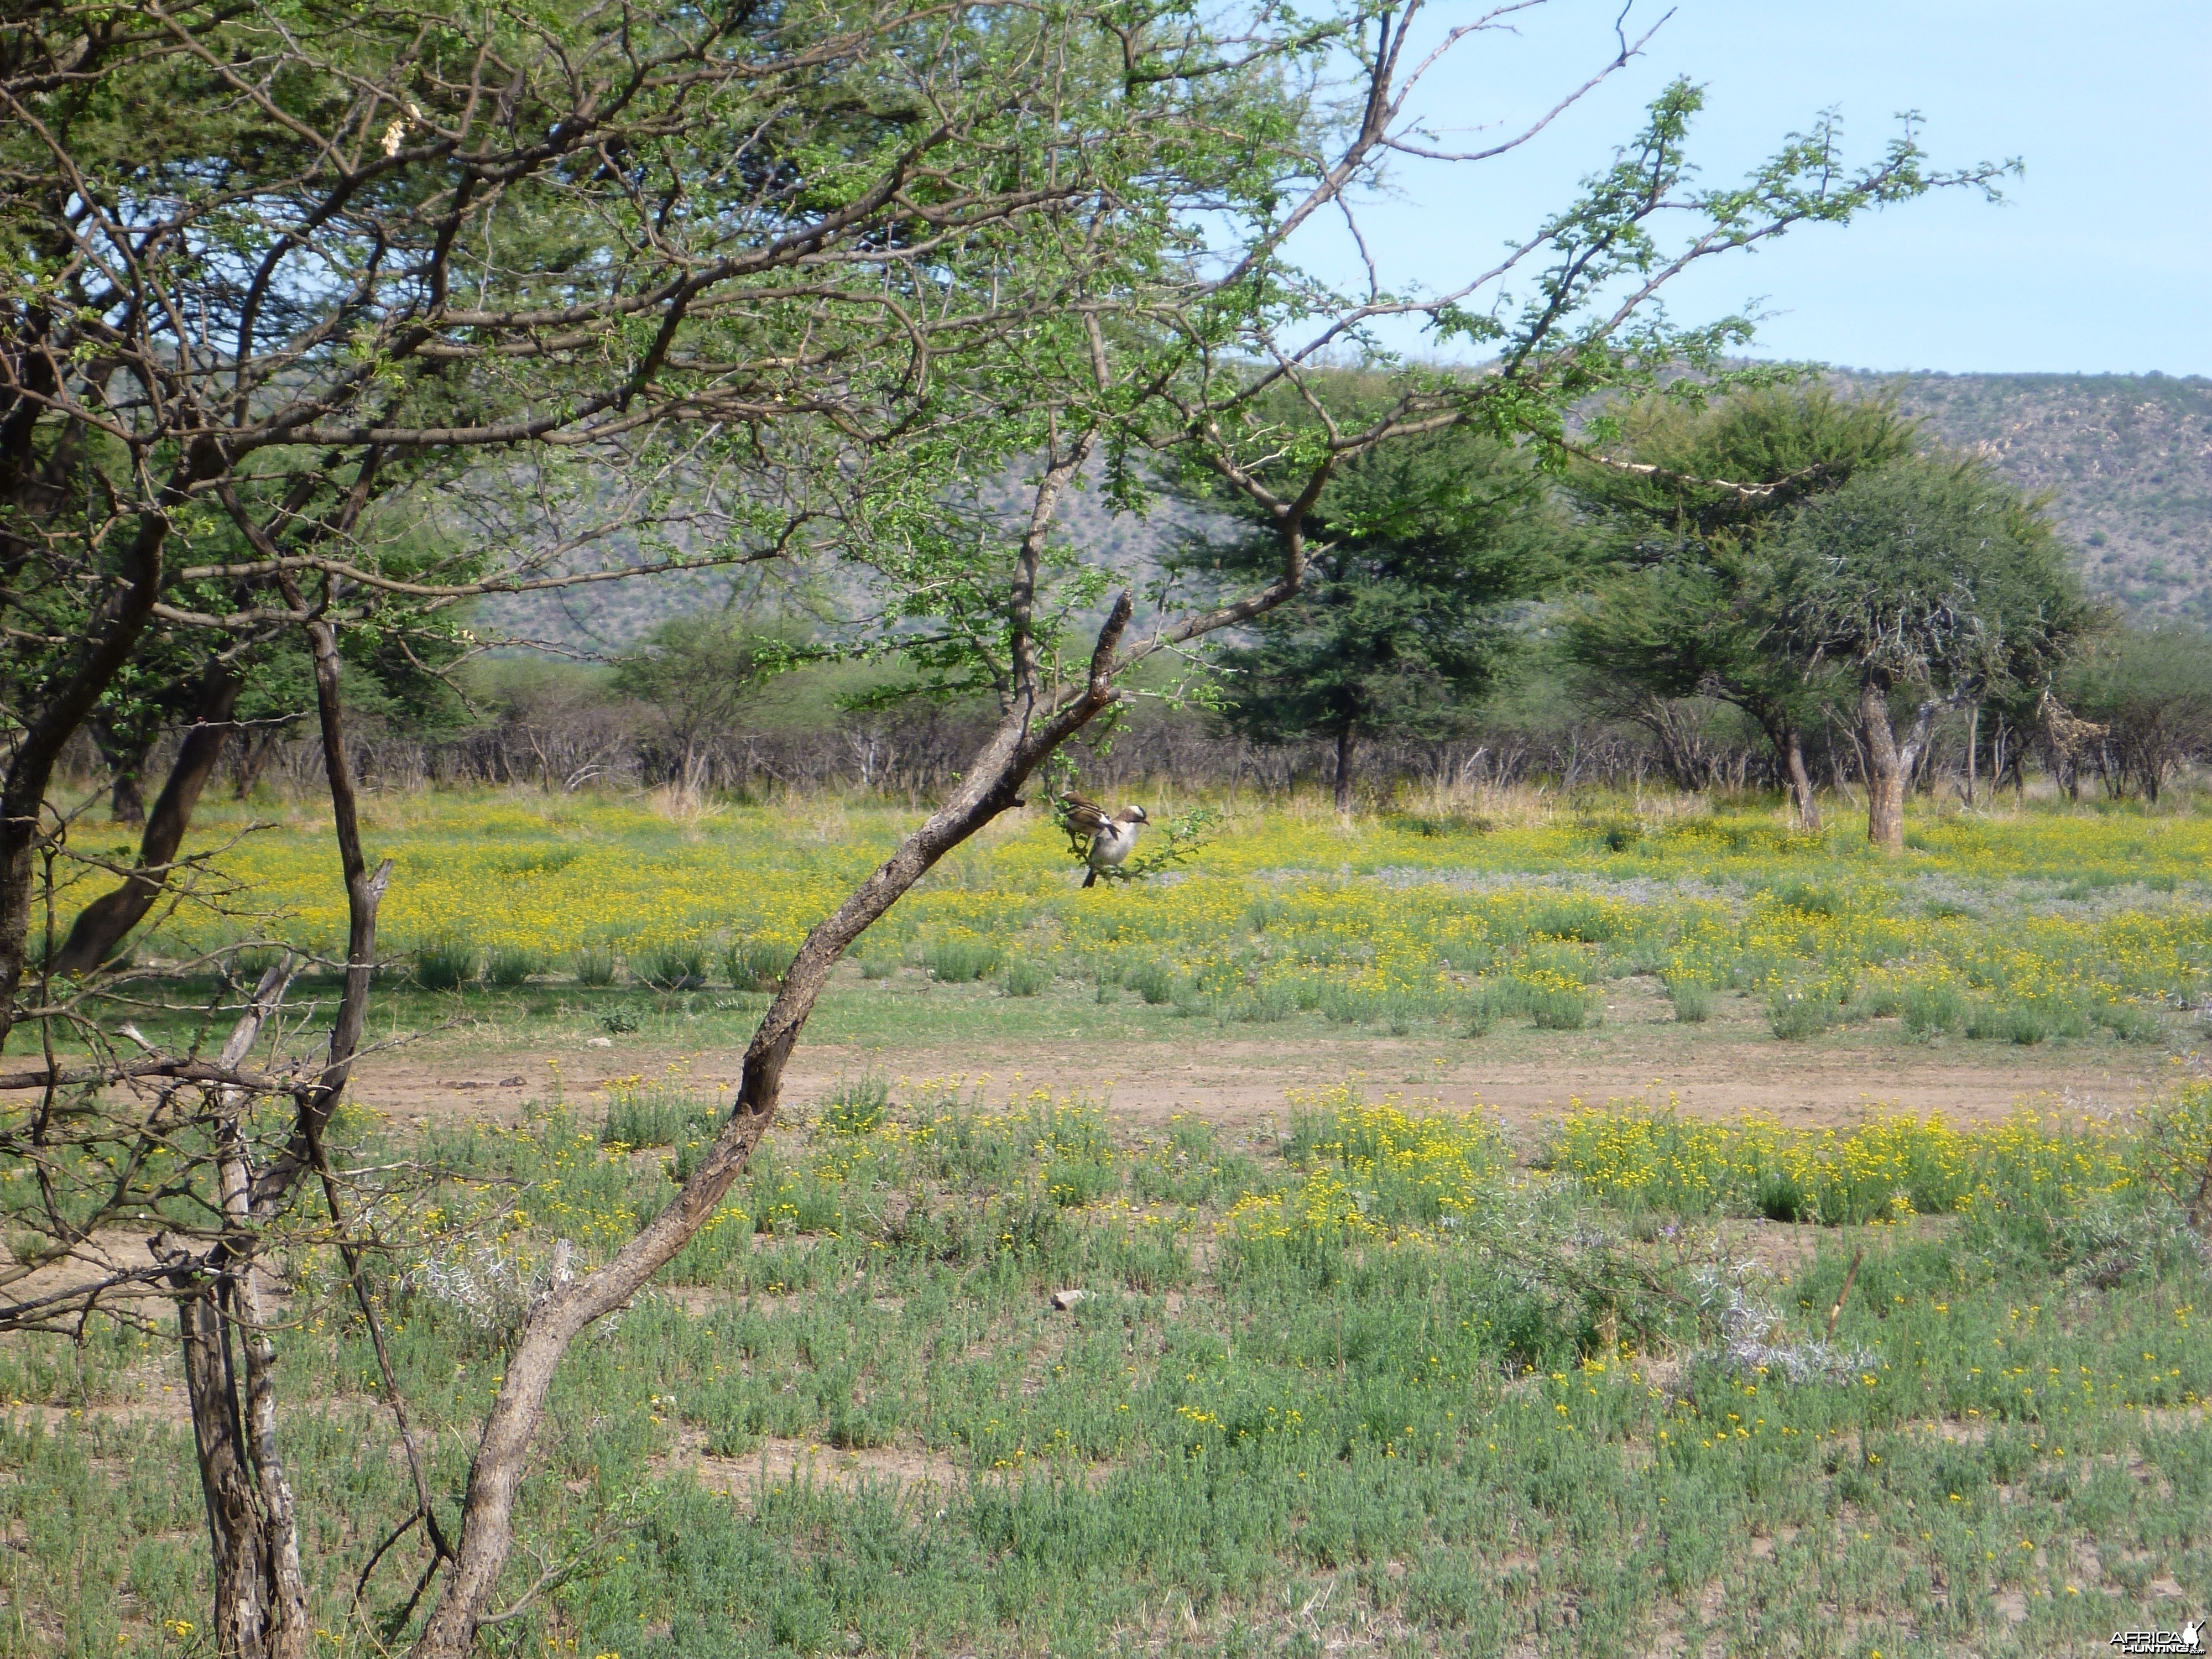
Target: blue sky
(2100,260)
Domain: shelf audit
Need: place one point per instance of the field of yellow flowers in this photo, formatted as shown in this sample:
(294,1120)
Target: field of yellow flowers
(2047,922)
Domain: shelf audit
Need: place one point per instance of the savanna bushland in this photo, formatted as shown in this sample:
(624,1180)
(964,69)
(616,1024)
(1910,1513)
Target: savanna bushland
(656,1153)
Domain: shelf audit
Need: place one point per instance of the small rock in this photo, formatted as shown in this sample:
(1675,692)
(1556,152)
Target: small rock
(1064,1300)
(511,1083)
(599,1043)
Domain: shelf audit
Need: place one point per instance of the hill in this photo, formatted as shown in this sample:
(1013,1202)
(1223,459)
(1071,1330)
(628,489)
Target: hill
(2127,459)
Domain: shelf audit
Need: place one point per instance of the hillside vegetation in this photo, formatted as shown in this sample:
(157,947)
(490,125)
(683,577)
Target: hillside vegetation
(2127,459)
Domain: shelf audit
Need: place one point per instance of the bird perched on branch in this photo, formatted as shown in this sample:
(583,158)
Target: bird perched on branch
(1100,841)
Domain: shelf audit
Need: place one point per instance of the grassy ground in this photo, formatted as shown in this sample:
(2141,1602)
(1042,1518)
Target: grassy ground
(1348,1374)
(1361,1382)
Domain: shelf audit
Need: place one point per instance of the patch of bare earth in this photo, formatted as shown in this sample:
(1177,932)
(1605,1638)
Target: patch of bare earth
(1240,1084)
(908,1472)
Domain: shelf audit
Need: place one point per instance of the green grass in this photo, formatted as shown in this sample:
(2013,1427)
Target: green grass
(1334,1383)
(1359,1382)
(511,965)
(1403,923)
(594,966)
(1692,999)
(1024,976)
(446,964)
(756,965)
(960,961)
(672,968)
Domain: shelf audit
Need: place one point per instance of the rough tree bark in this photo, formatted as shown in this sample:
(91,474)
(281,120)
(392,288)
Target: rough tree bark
(1889,763)
(1801,780)
(260,1598)
(1347,747)
(102,926)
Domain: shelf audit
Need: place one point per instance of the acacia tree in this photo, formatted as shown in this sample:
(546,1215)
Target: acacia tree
(697,674)
(296,282)
(1690,532)
(343,267)
(280,263)
(1933,578)
(1418,550)
(2148,693)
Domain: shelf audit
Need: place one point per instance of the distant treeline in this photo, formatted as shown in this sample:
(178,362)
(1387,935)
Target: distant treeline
(559,730)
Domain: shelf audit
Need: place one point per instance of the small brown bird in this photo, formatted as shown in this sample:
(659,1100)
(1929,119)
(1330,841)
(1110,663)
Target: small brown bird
(1100,841)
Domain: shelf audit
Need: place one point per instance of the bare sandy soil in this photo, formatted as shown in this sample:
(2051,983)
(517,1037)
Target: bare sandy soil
(1238,1077)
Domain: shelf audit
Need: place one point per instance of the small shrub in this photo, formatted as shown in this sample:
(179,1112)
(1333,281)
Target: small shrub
(1809,900)
(595,965)
(1692,999)
(653,1117)
(1796,1015)
(1150,981)
(1469,956)
(510,965)
(856,1105)
(1442,823)
(756,964)
(1266,1003)
(2019,1024)
(1024,976)
(878,964)
(674,968)
(246,968)
(1928,1008)
(1587,921)
(2176,1152)
(1353,1004)
(618,1020)
(1779,1197)
(1557,1008)
(1487,1002)
(445,965)
(961,960)
(2129,1022)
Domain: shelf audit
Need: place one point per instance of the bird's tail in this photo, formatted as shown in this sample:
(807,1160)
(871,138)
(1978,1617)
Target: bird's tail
(1091,878)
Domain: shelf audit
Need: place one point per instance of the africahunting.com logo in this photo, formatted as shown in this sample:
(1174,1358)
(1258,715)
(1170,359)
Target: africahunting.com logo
(2190,1638)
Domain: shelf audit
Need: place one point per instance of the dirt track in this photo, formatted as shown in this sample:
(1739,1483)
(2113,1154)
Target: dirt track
(1238,1079)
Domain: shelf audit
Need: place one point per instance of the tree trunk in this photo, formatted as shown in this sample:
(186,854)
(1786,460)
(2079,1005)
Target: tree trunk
(1885,769)
(1889,763)
(260,1597)
(255,756)
(1348,743)
(101,927)
(126,798)
(1801,781)
(1973,743)
(244,1583)
(991,786)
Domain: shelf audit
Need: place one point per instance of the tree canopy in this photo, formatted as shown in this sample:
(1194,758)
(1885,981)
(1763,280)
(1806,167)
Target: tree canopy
(1688,534)
(1419,552)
